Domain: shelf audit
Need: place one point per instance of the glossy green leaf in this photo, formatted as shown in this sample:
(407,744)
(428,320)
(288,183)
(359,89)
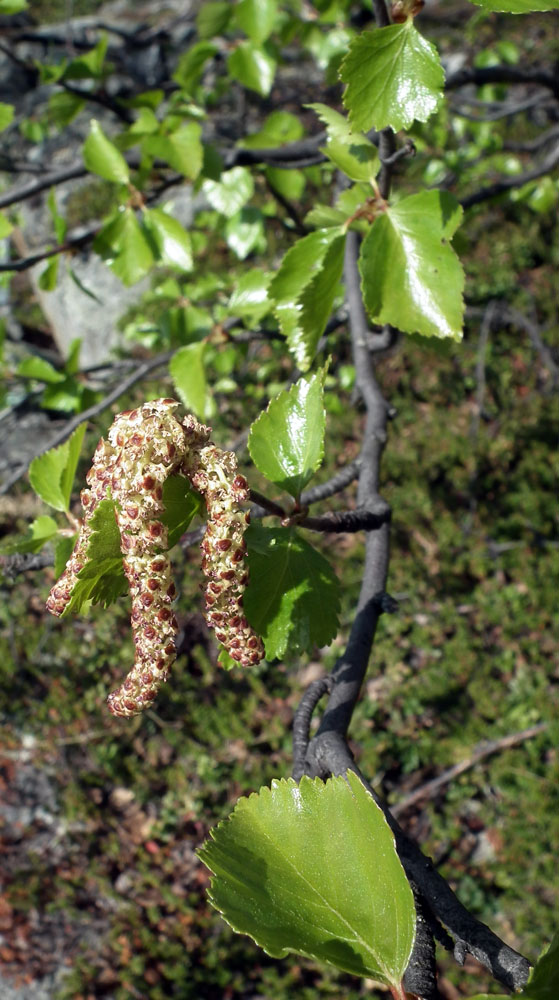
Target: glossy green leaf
(182,149)
(293,597)
(188,372)
(231,192)
(182,503)
(38,368)
(393,76)
(191,64)
(304,289)
(172,242)
(102,157)
(352,153)
(244,232)
(250,297)
(213,18)
(6,115)
(286,442)
(346,901)
(518,6)
(410,275)
(324,216)
(41,530)
(52,474)
(253,67)
(123,246)
(256,18)
(102,580)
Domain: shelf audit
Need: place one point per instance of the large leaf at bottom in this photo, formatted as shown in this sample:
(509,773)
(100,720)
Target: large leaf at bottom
(286,442)
(293,598)
(312,868)
(410,275)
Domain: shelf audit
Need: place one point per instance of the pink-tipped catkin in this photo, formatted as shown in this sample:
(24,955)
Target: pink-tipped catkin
(146,446)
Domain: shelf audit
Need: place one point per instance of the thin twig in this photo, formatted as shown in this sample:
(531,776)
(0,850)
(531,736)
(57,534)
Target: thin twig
(481,752)
(508,183)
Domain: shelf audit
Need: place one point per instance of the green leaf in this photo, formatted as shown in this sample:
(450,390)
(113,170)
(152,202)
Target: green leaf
(393,76)
(191,64)
(40,369)
(213,18)
(12,6)
(63,108)
(182,149)
(353,153)
(244,232)
(6,115)
(123,246)
(102,157)
(52,475)
(289,183)
(517,6)
(62,551)
(187,370)
(324,216)
(544,980)
(172,242)
(58,221)
(231,193)
(102,579)
(346,901)
(182,503)
(48,277)
(307,279)
(89,64)
(278,128)
(42,529)
(5,226)
(410,275)
(252,67)
(286,442)
(256,18)
(293,597)
(250,296)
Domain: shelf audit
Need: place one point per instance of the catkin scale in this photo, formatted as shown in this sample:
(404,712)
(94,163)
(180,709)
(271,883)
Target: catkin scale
(145,446)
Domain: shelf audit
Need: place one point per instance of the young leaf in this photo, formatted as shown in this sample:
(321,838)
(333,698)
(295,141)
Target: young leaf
(191,64)
(6,115)
(102,579)
(5,226)
(182,149)
(249,298)
(189,377)
(182,503)
(172,242)
(302,264)
(52,475)
(353,153)
(42,529)
(293,597)
(410,275)
(47,278)
(346,902)
(393,76)
(286,442)
(231,192)
(62,552)
(123,246)
(40,369)
(102,157)
(213,18)
(252,67)
(244,232)
(256,18)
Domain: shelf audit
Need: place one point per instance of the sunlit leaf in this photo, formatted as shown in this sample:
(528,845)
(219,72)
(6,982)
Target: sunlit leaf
(345,901)
(172,242)
(253,67)
(102,157)
(188,372)
(102,580)
(393,76)
(231,192)
(52,474)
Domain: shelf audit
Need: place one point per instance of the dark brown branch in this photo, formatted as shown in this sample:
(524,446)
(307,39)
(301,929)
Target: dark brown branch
(479,76)
(336,484)
(302,721)
(370,519)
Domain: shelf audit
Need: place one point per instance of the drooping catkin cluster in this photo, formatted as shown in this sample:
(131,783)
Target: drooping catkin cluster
(145,446)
